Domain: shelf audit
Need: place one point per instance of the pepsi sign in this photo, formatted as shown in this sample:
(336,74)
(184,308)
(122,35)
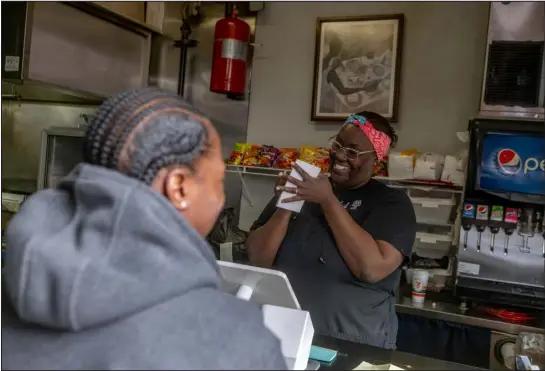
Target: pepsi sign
(513,163)
(469,211)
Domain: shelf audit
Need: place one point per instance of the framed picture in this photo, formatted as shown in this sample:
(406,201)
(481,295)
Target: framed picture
(357,66)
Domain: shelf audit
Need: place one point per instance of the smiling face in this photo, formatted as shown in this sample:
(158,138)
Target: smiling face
(347,172)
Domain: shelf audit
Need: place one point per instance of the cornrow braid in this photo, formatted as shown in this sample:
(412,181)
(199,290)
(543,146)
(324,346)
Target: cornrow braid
(163,138)
(107,117)
(96,127)
(128,108)
(141,114)
(101,122)
(141,131)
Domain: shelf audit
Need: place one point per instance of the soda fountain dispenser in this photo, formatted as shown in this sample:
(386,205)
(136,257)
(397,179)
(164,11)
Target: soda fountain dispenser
(505,185)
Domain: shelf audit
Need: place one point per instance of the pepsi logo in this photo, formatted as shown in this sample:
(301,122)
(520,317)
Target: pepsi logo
(509,161)
(468,207)
(482,209)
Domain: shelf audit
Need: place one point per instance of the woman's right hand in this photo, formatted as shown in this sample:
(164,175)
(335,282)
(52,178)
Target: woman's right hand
(282,179)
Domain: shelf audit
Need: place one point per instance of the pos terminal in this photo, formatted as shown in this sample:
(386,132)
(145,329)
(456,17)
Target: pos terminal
(282,314)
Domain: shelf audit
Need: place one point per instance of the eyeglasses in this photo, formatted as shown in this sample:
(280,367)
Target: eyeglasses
(350,153)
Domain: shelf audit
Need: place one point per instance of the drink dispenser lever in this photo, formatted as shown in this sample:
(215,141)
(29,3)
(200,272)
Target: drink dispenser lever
(482,214)
(496,215)
(480,229)
(526,226)
(508,232)
(511,217)
(467,214)
(467,228)
(494,230)
(543,234)
(540,223)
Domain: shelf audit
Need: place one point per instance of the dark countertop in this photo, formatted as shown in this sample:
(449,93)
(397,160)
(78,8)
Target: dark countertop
(448,310)
(351,355)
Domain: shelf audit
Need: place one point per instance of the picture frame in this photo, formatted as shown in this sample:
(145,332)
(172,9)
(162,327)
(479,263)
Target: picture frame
(357,66)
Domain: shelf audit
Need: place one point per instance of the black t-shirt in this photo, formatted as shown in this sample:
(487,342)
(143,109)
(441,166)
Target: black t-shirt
(340,304)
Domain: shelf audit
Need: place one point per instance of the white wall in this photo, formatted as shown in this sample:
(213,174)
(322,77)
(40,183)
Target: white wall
(442,66)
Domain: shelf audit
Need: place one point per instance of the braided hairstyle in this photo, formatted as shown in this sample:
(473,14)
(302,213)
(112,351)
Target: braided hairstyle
(141,131)
(380,123)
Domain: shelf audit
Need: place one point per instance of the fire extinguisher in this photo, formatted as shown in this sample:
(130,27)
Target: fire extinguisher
(229,61)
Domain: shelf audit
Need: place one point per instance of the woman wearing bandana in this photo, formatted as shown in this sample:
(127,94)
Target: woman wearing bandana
(344,250)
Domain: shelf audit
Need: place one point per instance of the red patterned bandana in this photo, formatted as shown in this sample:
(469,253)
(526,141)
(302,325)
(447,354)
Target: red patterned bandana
(380,141)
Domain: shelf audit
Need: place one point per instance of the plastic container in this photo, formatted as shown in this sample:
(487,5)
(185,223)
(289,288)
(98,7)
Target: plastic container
(430,192)
(433,246)
(428,166)
(408,275)
(438,278)
(400,166)
(434,229)
(433,210)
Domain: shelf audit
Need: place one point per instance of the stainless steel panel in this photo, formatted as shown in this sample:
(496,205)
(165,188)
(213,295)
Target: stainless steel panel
(515,21)
(61,151)
(164,63)
(451,312)
(69,47)
(229,117)
(22,127)
(520,266)
(135,10)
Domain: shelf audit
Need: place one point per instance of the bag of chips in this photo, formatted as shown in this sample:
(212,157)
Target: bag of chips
(237,154)
(381,169)
(286,158)
(267,156)
(251,156)
(317,156)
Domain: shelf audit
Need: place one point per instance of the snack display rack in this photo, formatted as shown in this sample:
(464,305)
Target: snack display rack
(393,182)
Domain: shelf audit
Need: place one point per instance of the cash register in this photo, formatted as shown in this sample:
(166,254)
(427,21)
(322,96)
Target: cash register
(282,314)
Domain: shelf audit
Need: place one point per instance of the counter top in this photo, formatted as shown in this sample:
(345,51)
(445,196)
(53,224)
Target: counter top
(450,312)
(351,355)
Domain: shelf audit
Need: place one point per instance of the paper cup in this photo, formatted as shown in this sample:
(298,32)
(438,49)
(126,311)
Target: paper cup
(420,285)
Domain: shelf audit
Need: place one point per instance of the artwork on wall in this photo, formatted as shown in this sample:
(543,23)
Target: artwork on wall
(357,66)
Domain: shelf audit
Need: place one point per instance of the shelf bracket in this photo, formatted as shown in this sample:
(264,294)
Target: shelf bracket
(245,190)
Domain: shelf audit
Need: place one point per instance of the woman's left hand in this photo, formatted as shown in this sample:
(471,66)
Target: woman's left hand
(311,189)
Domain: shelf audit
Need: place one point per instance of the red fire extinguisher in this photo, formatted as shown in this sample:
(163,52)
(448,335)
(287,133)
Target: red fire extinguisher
(229,61)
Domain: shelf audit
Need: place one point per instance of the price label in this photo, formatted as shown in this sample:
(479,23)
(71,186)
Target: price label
(11,64)
(469,268)
(234,49)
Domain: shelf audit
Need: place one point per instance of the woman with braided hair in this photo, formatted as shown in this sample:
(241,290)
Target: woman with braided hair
(110,269)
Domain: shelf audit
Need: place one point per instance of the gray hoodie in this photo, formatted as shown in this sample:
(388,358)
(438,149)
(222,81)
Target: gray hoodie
(103,273)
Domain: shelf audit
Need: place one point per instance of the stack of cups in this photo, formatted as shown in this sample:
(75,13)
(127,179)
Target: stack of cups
(420,284)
